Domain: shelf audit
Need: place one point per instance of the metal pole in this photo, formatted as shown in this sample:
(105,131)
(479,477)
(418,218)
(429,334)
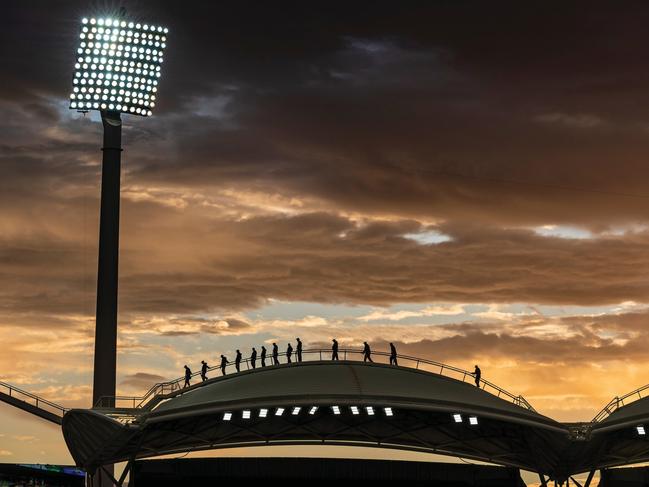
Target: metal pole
(106,322)
(105,366)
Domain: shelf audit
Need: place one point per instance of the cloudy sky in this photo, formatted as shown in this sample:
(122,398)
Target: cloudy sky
(466,179)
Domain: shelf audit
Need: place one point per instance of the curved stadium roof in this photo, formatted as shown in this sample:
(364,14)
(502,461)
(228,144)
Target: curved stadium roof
(355,403)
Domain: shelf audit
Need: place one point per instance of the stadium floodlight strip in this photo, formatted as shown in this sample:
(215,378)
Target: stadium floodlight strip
(336,410)
(640,429)
(118,66)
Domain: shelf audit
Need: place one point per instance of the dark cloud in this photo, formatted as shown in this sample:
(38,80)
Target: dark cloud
(363,126)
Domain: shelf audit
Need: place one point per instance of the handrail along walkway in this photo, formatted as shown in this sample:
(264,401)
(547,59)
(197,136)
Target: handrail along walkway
(31,403)
(176,385)
(619,401)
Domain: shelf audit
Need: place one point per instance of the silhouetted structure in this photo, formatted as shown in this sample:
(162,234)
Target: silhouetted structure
(320,472)
(263,356)
(275,354)
(393,354)
(188,376)
(477,373)
(204,370)
(237,361)
(224,363)
(105,360)
(289,352)
(367,353)
(299,350)
(253,357)
(334,350)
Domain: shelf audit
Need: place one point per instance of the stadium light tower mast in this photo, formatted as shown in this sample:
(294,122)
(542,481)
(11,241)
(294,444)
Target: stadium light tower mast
(118,67)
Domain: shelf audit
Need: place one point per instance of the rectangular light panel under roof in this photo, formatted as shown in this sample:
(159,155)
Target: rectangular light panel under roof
(118,66)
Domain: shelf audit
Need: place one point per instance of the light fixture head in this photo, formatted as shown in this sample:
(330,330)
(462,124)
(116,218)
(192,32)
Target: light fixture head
(457,418)
(118,66)
(227,416)
(473,420)
(313,410)
(279,411)
(388,411)
(263,412)
(640,429)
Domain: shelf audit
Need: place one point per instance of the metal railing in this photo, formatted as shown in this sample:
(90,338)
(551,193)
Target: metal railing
(164,389)
(619,401)
(32,399)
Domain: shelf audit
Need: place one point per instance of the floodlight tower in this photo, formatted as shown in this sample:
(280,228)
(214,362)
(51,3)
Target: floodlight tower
(118,67)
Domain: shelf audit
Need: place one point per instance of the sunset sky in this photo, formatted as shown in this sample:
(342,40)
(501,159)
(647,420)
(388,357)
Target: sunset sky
(466,179)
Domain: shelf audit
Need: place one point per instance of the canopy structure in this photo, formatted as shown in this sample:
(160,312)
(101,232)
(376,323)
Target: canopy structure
(356,404)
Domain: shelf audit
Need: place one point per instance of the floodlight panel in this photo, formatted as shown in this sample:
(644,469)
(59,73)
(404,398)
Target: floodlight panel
(118,66)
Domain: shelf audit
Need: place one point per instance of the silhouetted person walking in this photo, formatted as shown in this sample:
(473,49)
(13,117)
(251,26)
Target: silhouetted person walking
(334,350)
(478,374)
(253,357)
(204,370)
(263,356)
(237,361)
(366,352)
(289,352)
(275,354)
(299,350)
(188,375)
(393,354)
(224,363)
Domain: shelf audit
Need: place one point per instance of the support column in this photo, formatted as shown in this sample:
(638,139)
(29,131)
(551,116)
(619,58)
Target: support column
(590,478)
(105,365)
